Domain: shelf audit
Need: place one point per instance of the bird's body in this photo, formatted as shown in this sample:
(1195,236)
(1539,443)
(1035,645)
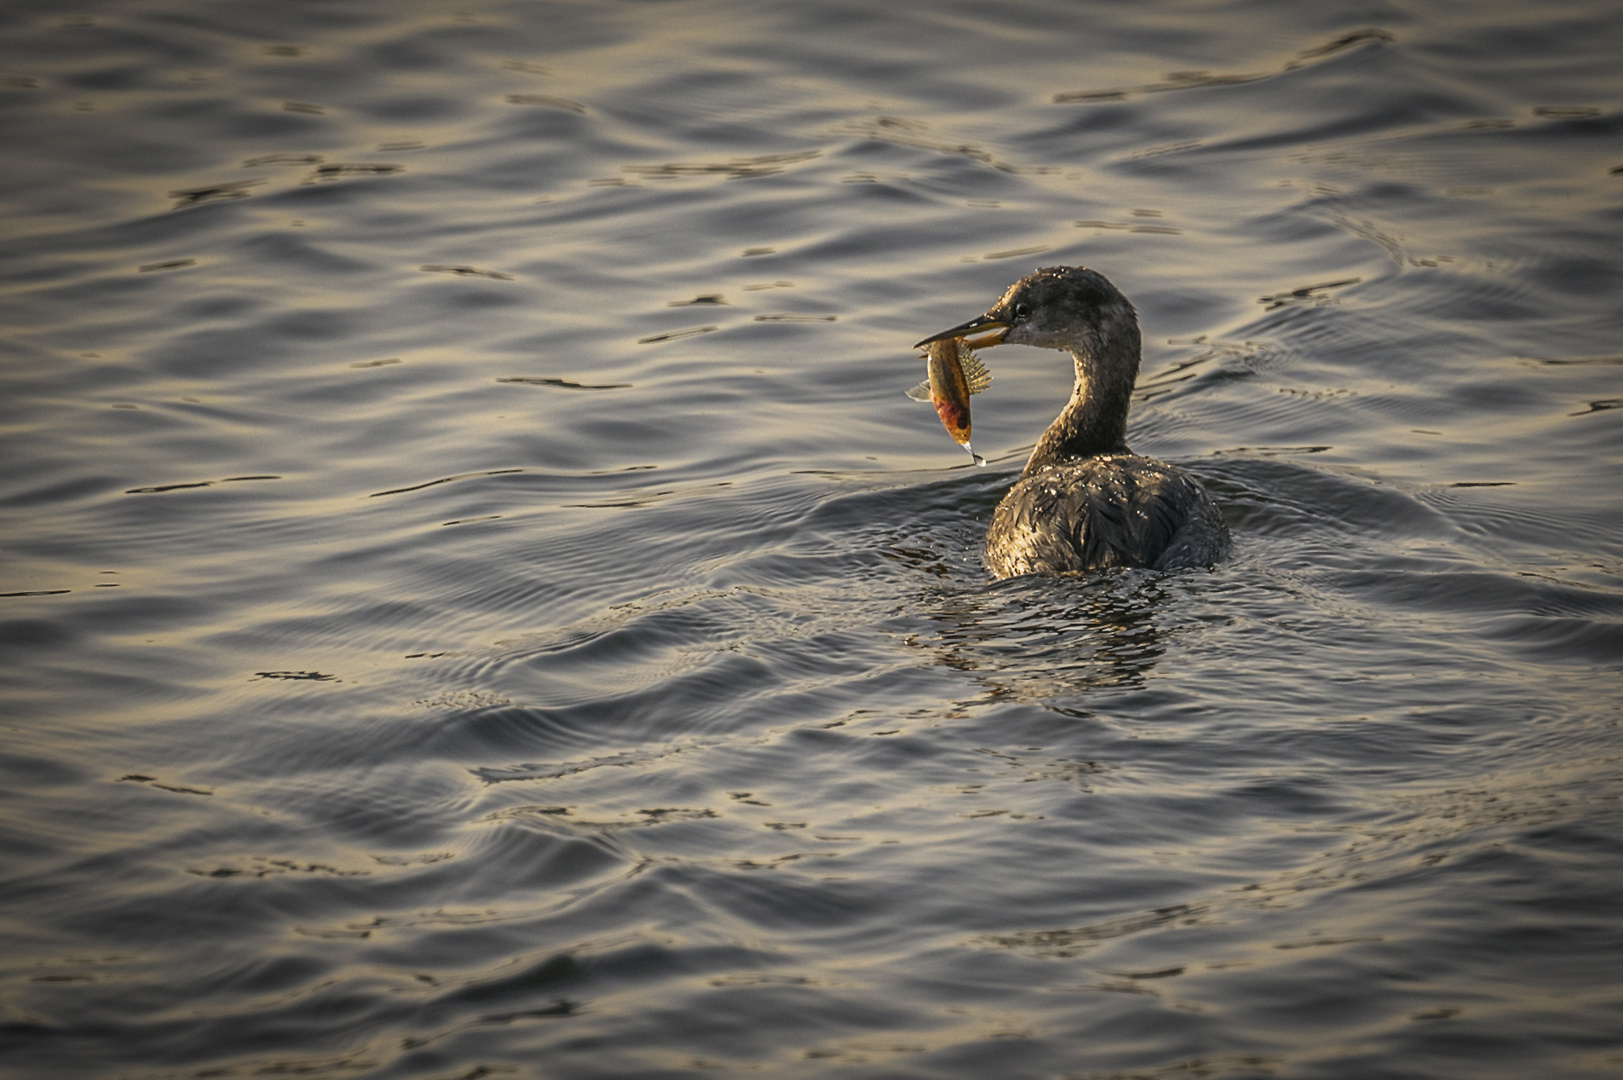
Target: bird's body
(1102,511)
(1084,500)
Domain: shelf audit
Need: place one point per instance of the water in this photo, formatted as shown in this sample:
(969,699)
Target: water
(478,602)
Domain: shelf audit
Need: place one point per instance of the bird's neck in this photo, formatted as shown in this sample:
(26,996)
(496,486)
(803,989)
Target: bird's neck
(1094,421)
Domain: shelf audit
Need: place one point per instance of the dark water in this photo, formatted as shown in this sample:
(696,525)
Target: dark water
(478,602)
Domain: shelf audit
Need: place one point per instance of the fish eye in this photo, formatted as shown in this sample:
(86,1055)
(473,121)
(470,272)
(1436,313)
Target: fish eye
(1022,310)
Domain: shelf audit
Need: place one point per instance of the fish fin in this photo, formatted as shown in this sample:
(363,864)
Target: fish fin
(976,377)
(921,392)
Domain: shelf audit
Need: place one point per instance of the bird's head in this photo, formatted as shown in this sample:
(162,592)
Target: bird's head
(1058,307)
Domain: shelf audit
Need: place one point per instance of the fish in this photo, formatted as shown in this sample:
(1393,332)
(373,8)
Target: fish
(955,372)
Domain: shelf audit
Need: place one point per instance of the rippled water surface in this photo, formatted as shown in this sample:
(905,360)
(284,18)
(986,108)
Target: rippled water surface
(477,601)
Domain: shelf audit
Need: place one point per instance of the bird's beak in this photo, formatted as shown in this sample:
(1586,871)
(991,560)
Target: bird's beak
(981,332)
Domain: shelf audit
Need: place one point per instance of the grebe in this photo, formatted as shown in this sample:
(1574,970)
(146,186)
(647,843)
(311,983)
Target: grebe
(1084,501)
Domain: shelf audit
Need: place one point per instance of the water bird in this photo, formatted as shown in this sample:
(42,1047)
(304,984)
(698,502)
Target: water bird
(952,373)
(1085,501)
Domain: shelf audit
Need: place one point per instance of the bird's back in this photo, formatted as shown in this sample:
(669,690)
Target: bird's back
(1109,510)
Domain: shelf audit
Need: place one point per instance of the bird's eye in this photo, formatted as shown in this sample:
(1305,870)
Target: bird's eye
(1022,310)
